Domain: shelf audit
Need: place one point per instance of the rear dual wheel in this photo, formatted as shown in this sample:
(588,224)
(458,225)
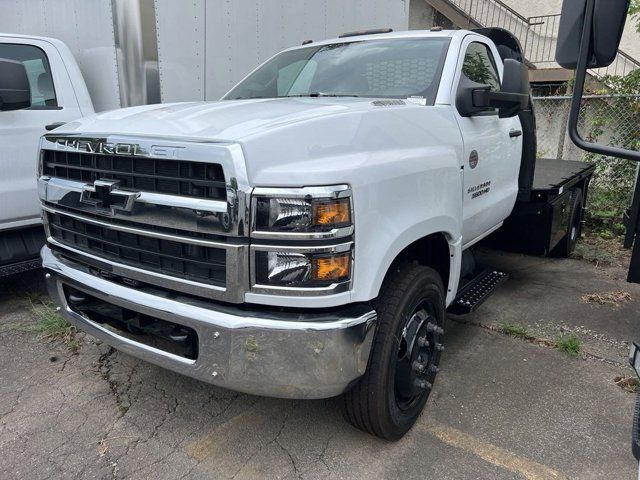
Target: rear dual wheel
(567,245)
(405,354)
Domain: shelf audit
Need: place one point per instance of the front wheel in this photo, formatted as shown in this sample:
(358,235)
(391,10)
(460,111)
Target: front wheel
(404,358)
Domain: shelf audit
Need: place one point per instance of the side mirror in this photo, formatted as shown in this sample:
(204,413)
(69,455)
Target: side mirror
(474,98)
(606,27)
(15,92)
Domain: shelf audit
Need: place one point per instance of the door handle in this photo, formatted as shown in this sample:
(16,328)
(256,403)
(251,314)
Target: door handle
(54,125)
(514,133)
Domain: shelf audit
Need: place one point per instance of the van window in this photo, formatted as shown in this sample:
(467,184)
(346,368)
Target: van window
(36,64)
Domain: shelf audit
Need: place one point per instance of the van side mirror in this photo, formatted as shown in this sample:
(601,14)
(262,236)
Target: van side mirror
(589,37)
(606,27)
(15,92)
(473,98)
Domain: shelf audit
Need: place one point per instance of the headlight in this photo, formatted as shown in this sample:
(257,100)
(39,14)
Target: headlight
(318,268)
(302,213)
(298,218)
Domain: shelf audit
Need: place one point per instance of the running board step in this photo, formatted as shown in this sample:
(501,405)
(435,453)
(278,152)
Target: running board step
(20,267)
(477,291)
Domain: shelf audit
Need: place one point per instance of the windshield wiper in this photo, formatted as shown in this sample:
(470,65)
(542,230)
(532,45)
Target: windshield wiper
(322,94)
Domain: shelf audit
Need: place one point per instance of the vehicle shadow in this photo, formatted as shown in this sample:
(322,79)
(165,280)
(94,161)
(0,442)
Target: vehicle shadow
(28,284)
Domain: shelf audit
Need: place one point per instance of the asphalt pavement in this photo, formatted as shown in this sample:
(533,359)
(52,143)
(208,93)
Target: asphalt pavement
(503,406)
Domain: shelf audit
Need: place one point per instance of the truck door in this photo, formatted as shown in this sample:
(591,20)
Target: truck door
(492,147)
(52,101)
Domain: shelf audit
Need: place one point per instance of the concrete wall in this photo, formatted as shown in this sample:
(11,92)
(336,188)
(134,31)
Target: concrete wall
(420,15)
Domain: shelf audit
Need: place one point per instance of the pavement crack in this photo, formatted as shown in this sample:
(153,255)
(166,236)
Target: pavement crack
(296,471)
(276,440)
(322,458)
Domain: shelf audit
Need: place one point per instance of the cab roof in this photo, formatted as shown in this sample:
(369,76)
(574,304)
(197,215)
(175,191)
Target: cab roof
(391,35)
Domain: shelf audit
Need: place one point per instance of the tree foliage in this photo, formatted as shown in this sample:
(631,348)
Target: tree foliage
(634,12)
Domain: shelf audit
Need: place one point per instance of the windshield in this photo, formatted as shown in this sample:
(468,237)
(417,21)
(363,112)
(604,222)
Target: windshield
(394,68)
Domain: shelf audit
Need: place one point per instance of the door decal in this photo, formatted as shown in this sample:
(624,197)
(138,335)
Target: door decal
(473,159)
(478,190)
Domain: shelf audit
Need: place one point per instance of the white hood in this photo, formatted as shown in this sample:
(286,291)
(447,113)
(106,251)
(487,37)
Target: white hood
(288,141)
(230,120)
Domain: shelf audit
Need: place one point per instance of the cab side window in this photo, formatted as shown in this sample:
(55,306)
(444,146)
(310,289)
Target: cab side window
(480,67)
(36,64)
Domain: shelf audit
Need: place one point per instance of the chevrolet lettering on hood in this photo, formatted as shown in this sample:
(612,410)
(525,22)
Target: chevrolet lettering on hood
(104,147)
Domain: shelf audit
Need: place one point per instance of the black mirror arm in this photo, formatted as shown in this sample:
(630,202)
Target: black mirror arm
(578,90)
(483,97)
(507,100)
(508,104)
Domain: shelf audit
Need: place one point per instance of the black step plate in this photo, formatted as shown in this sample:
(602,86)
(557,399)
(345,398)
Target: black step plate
(20,267)
(477,291)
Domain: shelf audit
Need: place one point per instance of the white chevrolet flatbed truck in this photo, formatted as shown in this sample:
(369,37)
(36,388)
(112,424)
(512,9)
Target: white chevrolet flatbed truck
(304,236)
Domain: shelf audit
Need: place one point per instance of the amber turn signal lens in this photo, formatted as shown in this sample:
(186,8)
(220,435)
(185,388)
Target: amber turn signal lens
(332,213)
(332,268)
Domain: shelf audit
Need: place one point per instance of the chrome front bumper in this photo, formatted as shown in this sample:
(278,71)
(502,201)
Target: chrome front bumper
(291,354)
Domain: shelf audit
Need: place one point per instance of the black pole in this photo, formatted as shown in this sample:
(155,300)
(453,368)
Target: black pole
(632,224)
(633,235)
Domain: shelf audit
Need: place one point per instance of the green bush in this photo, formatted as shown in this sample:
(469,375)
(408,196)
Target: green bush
(612,187)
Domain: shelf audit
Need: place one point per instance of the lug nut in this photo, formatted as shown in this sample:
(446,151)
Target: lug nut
(439,347)
(433,328)
(417,366)
(423,342)
(434,369)
(424,385)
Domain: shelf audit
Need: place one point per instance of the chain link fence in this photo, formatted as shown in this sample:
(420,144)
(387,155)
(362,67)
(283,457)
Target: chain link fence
(609,119)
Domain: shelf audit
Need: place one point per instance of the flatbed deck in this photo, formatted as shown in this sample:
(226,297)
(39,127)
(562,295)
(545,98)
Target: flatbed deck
(553,176)
(541,219)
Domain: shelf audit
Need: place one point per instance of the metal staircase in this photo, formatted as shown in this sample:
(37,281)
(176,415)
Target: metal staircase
(537,35)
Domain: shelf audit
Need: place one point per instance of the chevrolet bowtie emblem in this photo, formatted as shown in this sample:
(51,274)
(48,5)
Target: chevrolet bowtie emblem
(107,197)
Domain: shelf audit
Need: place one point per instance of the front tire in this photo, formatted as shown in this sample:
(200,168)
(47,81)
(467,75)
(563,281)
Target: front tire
(389,397)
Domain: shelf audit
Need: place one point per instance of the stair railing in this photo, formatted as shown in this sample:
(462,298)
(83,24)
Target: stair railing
(537,35)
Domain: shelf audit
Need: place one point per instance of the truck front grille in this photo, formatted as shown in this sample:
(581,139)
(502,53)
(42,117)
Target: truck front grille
(172,177)
(184,260)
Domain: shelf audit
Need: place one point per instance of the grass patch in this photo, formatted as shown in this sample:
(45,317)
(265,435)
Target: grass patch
(569,344)
(600,251)
(513,330)
(51,326)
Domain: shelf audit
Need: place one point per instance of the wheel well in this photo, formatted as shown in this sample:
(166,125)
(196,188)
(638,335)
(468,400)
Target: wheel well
(431,251)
